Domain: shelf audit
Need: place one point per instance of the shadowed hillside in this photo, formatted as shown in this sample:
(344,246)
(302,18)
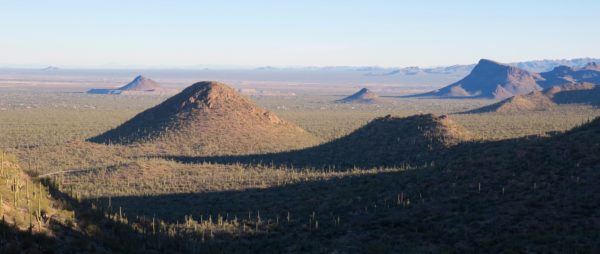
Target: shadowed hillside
(385,141)
(575,93)
(213,118)
(534,101)
(581,93)
(563,75)
(504,196)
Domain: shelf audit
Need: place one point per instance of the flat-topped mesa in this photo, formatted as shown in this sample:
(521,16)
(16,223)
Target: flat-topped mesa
(490,79)
(210,117)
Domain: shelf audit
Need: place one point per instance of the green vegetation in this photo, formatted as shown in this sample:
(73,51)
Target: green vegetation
(23,202)
(484,196)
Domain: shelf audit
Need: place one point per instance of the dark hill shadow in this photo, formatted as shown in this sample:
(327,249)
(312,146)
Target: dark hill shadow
(526,194)
(103,229)
(14,240)
(384,142)
(589,97)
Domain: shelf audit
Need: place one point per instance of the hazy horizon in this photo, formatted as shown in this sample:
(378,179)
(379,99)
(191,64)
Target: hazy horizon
(184,34)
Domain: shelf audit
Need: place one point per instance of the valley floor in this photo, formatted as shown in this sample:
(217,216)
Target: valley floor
(504,193)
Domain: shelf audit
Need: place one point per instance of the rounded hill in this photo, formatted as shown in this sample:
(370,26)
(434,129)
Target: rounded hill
(209,118)
(391,141)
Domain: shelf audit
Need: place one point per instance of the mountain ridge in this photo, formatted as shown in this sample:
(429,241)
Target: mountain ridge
(489,79)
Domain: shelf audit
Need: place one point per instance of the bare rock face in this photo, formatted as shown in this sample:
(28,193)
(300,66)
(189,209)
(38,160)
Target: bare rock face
(491,80)
(210,117)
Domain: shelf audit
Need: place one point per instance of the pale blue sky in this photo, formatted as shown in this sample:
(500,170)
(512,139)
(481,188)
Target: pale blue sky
(294,33)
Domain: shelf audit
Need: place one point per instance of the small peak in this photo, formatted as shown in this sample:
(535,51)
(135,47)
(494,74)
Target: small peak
(50,68)
(488,65)
(562,68)
(364,91)
(593,66)
(202,85)
(487,61)
(364,95)
(484,61)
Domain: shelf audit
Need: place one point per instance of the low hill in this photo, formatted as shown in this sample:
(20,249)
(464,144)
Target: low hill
(562,75)
(580,93)
(139,85)
(385,141)
(577,93)
(591,66)
(491,80)
(364,96)
(534,101)
(394,141)
(211,118)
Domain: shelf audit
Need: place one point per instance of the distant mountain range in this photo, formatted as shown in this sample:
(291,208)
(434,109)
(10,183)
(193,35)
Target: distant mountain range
(532,66)
(564,75)
(50,68)
(493,80)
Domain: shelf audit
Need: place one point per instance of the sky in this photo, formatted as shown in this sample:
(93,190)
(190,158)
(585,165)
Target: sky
(179,34)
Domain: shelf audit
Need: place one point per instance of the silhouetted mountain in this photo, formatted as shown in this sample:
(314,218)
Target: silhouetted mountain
(492,80)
